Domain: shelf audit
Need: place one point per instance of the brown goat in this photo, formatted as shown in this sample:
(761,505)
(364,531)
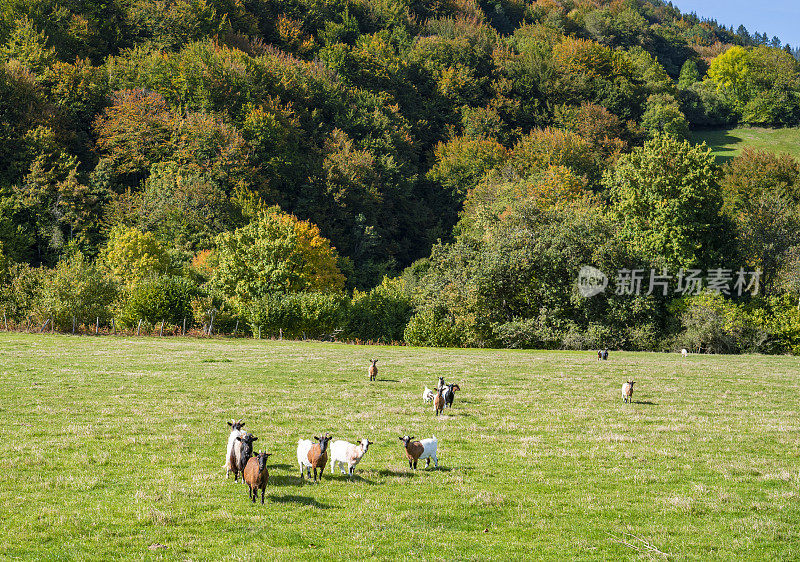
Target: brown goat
(318,455)
(256,475)
(438,402)
(373,370)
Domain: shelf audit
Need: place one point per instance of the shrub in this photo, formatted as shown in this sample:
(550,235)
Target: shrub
(156,299)
(315,315)
(380,314)
(433,329)
(75,291)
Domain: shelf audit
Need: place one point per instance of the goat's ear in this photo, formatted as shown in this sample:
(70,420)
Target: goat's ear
(370,443)
(255,438)
(268,454)
(238,438)
(230,424)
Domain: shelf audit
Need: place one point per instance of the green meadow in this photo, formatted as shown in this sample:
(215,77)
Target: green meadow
(726,144)
(113,448)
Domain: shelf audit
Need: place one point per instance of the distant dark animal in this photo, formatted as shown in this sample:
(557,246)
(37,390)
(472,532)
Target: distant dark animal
(449,393)
(605,355)
(599,354)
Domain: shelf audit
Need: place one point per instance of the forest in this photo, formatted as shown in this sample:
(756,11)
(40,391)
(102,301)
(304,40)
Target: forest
(434,172)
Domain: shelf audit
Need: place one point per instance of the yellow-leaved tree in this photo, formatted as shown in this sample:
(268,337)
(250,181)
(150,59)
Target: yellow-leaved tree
(275,253)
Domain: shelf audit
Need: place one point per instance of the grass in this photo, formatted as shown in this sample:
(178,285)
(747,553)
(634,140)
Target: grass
(113,448)
(726,144)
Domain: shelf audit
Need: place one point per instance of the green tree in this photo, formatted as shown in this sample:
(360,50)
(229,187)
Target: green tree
(667,200)
(130,255)
(275,253)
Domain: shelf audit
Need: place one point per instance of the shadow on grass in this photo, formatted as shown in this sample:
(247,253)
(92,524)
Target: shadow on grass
(646,403)
(387,380)
(300,500)
(409,472)
(283,480)
(282,466)
(355,478)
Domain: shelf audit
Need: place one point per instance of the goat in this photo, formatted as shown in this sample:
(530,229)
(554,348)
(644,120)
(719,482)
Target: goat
(599,354)
(605,355)
(243,453)
(449,393)
(438,402)
(345,453)
(427,395)
(373,370)
(230,456)
(441,384)
(627,392)
(256,475)
(684,352)
(313,455)
(416,450)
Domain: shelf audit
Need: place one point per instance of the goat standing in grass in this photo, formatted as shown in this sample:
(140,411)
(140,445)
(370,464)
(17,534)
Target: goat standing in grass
(256,475)
(450,393)
(416,450)
(373,370)
(243,451)
(313,455)
(230,455)
(627,392)
(438,402)
(348,454)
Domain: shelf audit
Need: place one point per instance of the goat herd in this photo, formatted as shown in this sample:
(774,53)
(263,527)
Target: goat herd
(240,459)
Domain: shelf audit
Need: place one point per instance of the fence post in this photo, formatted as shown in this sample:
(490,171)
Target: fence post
(236,329)
(97,325)
(139,327)
(211,324)
(73,324)
(183,333)
(114,326)
(52,325)
(46,322)
(161,330)
(280,333)
(5,320)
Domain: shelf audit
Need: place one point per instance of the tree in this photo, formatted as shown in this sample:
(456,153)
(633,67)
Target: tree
(690,74)
(731,70)
(761,191)
(130,255)
(667,200)
(275,253)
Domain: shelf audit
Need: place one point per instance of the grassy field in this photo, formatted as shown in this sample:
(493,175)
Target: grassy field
(113,448)
(728,143)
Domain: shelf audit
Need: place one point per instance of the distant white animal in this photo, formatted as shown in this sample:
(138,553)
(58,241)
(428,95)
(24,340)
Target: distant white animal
(684,352)
(427,395)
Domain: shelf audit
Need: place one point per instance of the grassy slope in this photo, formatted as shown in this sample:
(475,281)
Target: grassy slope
(111,445)
(728,143)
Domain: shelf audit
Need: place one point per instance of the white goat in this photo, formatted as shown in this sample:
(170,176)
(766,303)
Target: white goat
(427,395)
(684,352)
(347,454)
(230,455)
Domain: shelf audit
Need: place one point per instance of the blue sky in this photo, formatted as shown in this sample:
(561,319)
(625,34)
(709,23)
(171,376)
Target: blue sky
(773,17)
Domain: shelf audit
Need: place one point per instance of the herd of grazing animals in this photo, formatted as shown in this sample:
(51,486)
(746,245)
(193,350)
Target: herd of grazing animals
(239,457)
